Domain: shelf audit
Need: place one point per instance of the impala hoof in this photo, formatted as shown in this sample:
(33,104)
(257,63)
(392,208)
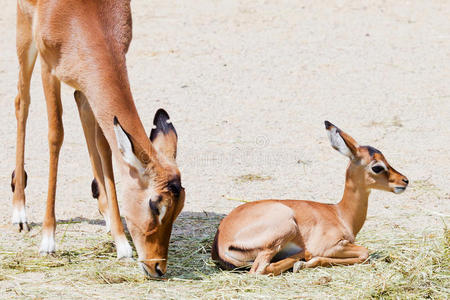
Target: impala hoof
(21,227)
(45,253)
(19,219)
(298,266)
(24,227)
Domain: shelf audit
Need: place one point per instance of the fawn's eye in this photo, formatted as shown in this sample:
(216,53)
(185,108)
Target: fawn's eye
(377,169)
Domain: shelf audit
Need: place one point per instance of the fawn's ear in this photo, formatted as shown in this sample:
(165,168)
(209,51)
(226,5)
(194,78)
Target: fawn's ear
(127,149)
(163,135)
(341,141)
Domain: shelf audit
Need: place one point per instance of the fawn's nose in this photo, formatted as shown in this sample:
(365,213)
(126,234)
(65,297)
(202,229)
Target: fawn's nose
(405,180)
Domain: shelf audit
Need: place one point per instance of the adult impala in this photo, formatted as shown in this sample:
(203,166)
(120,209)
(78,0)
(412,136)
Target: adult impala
(83,43)
(275,235)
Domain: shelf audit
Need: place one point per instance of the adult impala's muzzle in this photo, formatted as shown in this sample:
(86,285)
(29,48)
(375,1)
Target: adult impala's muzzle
(153,267)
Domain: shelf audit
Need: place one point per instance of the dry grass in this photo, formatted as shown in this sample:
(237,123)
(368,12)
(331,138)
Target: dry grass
(251,177)
(402,265)
(422,187)
(394,122)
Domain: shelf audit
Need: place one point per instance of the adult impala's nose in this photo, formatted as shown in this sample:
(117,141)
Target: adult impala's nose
(405,180)
(154,271)
(158,270)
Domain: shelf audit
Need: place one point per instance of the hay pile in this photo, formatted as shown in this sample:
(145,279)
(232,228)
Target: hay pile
(402,265)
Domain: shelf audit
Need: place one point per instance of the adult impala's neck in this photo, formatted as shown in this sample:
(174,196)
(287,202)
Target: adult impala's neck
(354,203)
(109,95)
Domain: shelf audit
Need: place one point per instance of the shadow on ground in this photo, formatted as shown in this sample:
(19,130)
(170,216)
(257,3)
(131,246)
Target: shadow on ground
(189,252)
(72,221)
(190,245)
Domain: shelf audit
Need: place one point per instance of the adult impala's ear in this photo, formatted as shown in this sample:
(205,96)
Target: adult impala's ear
(341,141)
(163,135)
(127,149)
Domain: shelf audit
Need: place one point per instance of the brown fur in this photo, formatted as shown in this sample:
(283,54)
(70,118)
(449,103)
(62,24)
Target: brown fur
(83,43)
(13,180)
(321,234)
(223,264)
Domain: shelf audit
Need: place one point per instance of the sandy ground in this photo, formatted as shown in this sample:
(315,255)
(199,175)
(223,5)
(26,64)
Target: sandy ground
(248,85)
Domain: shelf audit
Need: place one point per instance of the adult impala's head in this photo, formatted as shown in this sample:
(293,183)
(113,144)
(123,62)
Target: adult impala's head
(153,204)
(378,173)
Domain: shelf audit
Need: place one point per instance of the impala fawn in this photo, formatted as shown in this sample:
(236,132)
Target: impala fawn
(83,44)
(276,235)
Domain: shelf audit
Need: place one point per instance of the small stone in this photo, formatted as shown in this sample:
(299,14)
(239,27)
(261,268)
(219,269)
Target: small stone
(322,280)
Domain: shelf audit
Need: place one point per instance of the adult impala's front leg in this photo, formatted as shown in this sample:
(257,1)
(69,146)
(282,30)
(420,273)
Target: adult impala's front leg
(89,128)
(26,54)
(100,154)
(52,93)
(122,246)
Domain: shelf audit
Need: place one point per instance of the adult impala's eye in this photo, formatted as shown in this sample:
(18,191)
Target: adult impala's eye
(175,188)
(377,169)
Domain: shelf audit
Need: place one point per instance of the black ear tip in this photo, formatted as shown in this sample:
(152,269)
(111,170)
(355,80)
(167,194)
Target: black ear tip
(161,114)
(161,111)
(328,125)
(161,123)
(116,121)
(75,93)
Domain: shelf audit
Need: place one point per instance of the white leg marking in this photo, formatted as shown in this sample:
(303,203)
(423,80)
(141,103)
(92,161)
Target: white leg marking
(47,244)
(107,222)
(123,248)
(19,215)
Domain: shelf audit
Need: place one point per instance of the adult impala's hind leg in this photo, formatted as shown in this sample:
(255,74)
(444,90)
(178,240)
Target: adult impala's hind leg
(122,246)
(26,53)
(52,93)
(98,184)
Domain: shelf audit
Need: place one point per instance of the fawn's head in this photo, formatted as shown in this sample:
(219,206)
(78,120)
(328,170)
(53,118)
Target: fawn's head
(154,203)
(377,173)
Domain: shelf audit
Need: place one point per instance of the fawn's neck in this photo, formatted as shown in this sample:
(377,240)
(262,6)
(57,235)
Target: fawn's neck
(354,203)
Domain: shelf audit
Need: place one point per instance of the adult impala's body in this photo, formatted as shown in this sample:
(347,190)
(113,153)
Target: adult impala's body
(83,43)
(275,235)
